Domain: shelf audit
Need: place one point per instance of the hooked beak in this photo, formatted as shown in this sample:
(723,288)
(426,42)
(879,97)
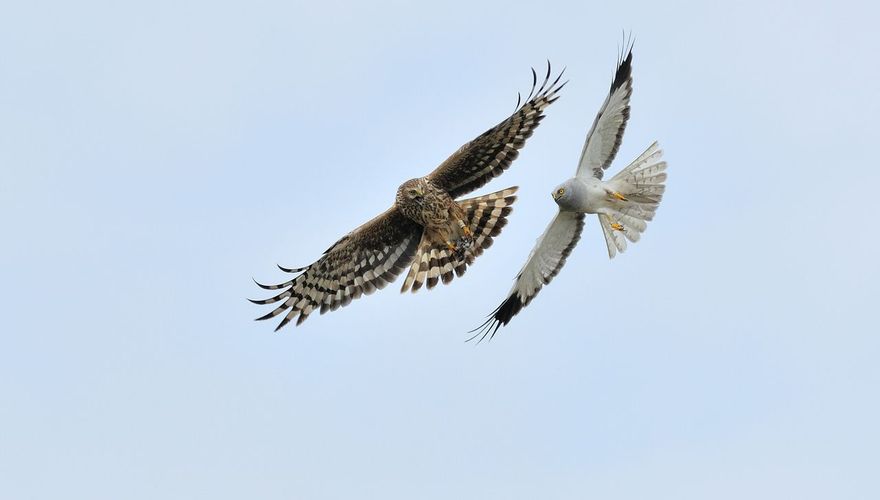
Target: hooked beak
(555,195)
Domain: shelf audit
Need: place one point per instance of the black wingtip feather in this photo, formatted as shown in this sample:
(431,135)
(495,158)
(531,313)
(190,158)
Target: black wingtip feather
(559,76)
(284,321)
(534,85)
(624,68)
(273,287)
(501,316)
(266,316)
(547,76)
(560,87)
(291,269)
(508,309)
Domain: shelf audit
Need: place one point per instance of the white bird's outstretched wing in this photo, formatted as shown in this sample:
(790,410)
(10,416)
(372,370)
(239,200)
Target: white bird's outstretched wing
(603,139)
(545,261)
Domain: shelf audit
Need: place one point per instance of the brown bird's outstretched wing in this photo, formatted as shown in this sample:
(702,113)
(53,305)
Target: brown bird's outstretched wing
(491,153)
(363,261)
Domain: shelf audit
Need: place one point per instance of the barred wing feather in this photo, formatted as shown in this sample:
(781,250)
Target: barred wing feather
(491,153)
(361,262)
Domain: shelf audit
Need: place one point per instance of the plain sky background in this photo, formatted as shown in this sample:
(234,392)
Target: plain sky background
(155,156)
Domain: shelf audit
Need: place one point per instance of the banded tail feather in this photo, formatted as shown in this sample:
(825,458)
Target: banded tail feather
(485,216)
(642,183)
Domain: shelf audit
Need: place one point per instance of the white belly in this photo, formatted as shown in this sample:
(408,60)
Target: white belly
(596,198)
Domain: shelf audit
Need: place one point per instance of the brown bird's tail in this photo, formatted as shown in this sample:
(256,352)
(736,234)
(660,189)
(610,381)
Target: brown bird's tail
(485,216)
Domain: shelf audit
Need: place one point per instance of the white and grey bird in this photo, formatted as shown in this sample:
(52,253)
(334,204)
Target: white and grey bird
(624,204)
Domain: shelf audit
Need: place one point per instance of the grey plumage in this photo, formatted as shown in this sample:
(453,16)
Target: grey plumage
(623,204)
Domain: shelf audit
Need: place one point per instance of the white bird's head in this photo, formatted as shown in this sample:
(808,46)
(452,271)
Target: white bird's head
(564,195)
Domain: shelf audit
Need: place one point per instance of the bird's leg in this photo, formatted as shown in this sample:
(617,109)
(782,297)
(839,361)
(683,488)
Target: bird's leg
(465,229)
(461,251)
(460,247)
(616,195)
(617,226)
(458,250)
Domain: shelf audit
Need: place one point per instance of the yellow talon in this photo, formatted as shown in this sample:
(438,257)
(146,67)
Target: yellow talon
(467,231)
(618,196)
(616,226)
(451,246)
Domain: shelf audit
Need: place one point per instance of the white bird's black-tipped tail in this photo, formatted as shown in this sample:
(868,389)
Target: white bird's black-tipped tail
(642,183)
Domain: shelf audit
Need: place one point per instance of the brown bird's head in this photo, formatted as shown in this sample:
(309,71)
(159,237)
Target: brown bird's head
(412,191)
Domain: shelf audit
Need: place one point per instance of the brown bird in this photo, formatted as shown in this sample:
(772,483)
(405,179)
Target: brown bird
(426,227)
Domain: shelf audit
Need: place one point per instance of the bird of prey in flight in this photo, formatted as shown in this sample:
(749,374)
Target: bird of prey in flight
(623,203)
(425,227)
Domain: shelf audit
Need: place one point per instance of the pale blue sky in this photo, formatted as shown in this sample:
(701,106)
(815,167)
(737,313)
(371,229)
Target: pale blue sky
(155,157)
